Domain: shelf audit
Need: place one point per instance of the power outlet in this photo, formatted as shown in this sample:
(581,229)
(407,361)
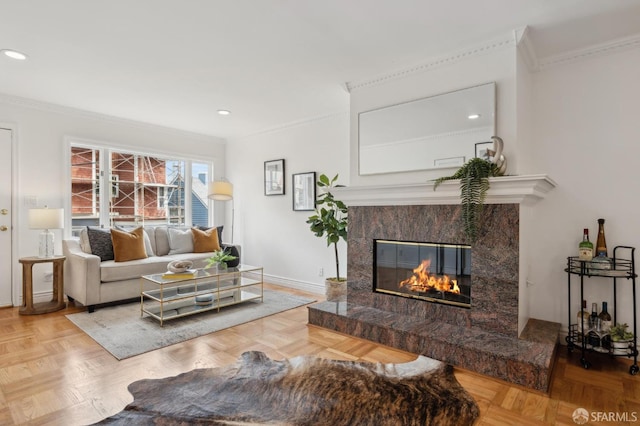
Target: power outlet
(48,277)
(321,272)
(30,201)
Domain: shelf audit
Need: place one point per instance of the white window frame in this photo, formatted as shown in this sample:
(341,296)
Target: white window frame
(105,167)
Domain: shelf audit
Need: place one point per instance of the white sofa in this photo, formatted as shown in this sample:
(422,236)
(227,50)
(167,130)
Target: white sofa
(90,281)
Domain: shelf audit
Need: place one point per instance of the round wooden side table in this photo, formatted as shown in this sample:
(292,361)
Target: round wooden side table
(57,303)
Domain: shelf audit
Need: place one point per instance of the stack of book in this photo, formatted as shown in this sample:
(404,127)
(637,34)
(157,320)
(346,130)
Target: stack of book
(189,273)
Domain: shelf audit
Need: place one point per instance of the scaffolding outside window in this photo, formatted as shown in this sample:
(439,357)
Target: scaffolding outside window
(111,188)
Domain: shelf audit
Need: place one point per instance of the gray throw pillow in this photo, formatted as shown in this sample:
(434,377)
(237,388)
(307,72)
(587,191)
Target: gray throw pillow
(100,242)
(180,241)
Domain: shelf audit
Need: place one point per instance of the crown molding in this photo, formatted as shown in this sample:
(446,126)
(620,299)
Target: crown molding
(523,189)
(526,48)
(614,46)
(293,124)
(436,62)
(60,109)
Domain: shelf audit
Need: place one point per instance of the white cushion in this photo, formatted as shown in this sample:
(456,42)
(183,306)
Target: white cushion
(119,271)
(84,241)
(180,241)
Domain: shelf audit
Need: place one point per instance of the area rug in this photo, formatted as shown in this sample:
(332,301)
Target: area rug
(122,332)
(303,391)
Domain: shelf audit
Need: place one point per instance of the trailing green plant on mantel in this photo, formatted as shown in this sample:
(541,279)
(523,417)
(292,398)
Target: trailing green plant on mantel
(474,183)
(330,218)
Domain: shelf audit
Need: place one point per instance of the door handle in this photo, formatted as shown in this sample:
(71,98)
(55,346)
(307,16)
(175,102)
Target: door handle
(4,212)
(3,228)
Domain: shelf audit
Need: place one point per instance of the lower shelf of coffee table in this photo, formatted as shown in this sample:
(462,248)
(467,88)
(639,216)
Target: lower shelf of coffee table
(189,306)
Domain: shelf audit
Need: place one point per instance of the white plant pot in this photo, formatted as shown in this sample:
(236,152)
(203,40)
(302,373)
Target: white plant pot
(621,347)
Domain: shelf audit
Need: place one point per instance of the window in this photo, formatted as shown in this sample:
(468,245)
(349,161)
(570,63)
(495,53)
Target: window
(141,189)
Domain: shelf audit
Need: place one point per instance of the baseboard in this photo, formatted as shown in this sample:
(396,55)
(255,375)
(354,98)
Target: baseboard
(298,285)
(40,297)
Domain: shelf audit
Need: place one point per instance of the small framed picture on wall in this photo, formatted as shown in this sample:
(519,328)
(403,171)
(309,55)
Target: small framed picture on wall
(304,191)
(274,177)
(482,150)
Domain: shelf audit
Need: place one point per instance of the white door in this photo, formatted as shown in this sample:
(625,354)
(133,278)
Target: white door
(6,262)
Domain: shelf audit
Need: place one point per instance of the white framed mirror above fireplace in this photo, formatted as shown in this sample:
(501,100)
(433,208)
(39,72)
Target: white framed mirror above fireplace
(435,132)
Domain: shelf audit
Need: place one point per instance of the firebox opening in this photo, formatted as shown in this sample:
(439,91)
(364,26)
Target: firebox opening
(435,272)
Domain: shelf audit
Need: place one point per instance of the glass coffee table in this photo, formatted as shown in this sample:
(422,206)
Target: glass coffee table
(204,290)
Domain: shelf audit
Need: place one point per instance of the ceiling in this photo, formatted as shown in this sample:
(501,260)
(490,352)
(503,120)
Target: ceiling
(270,62)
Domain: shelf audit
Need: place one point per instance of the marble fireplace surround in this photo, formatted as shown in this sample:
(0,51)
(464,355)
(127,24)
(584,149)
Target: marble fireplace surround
(484,338)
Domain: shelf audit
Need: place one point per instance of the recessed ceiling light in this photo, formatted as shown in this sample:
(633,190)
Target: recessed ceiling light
(473,116)
(14,54)
(224,112)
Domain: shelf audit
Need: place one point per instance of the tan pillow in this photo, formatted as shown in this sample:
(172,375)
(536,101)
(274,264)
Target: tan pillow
(205,241)
(128,245)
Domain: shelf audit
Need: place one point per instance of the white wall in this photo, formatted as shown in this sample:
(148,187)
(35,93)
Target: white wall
(586,136)
(41,162)
(270,232)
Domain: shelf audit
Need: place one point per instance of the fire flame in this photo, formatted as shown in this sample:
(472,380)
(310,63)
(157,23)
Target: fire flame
(421,281)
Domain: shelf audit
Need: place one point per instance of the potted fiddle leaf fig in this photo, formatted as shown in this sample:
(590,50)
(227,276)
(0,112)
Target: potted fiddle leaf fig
(329,221)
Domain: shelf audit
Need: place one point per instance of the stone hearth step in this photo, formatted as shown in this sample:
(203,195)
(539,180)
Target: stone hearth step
(526,361)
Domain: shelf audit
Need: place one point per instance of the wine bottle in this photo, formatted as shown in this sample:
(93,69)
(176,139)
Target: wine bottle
(583,320)
(585,248)
(593,338)
(593,319)
(601,243)
(605,318)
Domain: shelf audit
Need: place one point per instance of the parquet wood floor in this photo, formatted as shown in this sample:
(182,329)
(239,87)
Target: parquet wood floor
(51,373)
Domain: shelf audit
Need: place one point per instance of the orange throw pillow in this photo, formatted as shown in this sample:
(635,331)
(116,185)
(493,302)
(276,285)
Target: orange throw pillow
(205,241)
(128,245)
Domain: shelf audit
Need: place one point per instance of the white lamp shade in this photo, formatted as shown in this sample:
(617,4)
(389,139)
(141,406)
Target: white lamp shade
(46,218)
(221,190)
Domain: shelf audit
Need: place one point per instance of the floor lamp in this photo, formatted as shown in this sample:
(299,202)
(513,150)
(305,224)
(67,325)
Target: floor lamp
(222,190)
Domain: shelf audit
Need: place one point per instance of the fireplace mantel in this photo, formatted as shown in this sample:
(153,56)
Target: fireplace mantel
(526,189)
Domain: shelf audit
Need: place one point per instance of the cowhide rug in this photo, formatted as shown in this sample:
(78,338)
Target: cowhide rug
(303,391)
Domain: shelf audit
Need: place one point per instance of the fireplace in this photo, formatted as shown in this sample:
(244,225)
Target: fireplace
(433,272)
(491,265)
(484,337)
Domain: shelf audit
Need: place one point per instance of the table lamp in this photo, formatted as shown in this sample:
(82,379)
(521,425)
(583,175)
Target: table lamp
(46,219)
(222,190)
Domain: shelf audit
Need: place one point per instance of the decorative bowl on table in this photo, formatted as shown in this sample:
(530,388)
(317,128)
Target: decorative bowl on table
(178,266)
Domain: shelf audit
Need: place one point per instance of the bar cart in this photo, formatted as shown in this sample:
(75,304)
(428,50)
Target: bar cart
(622,268)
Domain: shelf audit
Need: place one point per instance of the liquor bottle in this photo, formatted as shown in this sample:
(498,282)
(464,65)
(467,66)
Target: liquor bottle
(605,318)
(601,243)
(583,320)
(585,248)
(601,261)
